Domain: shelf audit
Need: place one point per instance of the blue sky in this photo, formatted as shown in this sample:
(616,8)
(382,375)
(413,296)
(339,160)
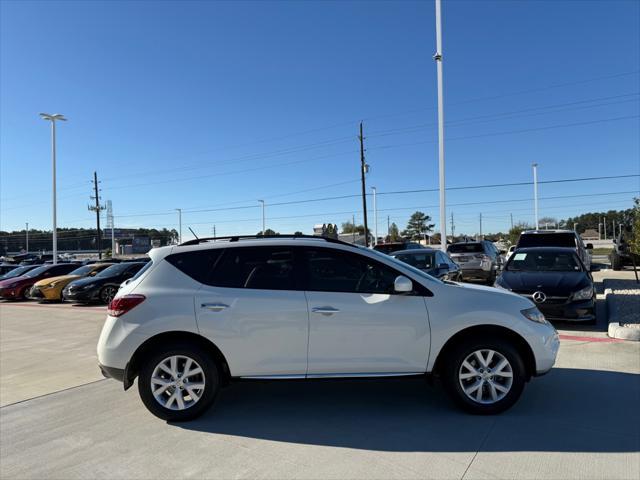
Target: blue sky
(212,105)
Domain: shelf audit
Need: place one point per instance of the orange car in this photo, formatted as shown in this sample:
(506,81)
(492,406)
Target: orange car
(51,288)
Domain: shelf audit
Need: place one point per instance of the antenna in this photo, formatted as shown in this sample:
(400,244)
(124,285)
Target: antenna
(194,234)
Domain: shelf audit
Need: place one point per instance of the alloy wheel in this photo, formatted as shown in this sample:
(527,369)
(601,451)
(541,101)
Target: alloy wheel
(107,294)
(486,376)
(177,382)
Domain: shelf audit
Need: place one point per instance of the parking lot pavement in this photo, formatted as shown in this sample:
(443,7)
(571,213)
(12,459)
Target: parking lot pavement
(46,347)
(579,421)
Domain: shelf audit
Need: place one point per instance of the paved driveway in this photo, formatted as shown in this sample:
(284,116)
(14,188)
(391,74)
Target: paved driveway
(579,421)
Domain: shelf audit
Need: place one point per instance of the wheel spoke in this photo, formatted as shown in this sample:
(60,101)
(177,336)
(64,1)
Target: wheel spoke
(481,383)
(501,366)
(179,399)
(193,372)
(165,369)
(489,358)
(479,392)
(187,366)
(480,358)
(164,384)
(192,393)
(472,388)
(170,401)
(470,367)
(174,392)
(173,361)
(497,386)
(492,391)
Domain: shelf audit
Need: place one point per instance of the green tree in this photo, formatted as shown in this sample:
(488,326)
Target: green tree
(268,232)
(516,230)
(394,233)
(298,232)
(349,227)
(418,226)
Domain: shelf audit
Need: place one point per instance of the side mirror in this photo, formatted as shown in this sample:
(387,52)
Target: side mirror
(402,284)
(589,246)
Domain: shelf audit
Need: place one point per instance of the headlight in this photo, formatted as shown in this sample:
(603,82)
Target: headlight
(51,285)
(584,294)
(534,315)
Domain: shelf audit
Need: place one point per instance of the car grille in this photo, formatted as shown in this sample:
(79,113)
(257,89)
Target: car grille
(35,292)
(550,300)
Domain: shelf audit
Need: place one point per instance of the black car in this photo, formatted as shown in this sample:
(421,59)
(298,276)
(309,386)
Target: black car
(104,286)
(434,262)
(555,279)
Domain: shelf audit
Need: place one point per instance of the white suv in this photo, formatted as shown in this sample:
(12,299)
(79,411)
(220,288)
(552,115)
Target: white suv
(202,314)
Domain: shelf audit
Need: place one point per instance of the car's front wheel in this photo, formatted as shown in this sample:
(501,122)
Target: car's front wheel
(484,376)
(178,383)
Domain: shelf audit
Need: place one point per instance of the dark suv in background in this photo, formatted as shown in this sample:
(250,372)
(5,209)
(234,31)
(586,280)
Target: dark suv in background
(479,260)
(621,256)
(557,238)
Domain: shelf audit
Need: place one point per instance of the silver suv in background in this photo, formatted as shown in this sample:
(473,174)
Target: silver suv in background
(477,260)
(557,238)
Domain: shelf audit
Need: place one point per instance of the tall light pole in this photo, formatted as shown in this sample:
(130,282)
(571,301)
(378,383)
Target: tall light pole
(438,58)
(535,192)
(179,210)
(53,118)
(27,240)
(263,220)
(375,215)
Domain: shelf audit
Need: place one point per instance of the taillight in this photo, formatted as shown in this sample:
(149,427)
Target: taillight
(121,305)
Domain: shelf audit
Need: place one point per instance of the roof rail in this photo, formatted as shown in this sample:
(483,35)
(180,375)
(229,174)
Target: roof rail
(235,238)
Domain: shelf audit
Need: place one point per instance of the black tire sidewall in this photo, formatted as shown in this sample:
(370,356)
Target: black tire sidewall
(103,292)
(211,375)
(459,353)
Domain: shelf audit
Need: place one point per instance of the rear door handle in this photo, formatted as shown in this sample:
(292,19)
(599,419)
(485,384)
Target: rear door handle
(214,307)
(325,310)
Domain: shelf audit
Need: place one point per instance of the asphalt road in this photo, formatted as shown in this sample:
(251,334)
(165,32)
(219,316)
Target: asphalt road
(60,420)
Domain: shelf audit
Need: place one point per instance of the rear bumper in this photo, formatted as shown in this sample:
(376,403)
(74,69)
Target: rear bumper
(10,293)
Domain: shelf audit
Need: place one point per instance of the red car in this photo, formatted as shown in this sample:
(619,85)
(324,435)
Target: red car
(17,288)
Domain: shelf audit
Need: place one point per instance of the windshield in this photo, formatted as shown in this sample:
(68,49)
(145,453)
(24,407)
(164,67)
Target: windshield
(16,272)
(465,248)
(114,270)
(547,240)
(37,271)
(544,262)
(423,261)
(82,270)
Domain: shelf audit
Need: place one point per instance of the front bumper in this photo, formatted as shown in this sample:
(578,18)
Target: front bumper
(34,293)
(581,311)
(80,296)
(111,372)
(10,293)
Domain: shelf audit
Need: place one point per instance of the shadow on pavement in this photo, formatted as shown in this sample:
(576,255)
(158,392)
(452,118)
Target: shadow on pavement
(568,410)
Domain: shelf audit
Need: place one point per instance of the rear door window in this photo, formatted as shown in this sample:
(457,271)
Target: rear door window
(263,268)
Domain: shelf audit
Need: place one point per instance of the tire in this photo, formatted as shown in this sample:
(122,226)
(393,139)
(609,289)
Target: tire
(171,410)
(615,262)
(107,293)
(453,370)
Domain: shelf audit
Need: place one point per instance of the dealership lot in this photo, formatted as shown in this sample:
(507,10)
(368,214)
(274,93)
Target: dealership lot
(60,419)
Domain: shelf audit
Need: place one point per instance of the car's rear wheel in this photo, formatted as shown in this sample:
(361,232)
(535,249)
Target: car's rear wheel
(107,293)
(484,376)
(178,383)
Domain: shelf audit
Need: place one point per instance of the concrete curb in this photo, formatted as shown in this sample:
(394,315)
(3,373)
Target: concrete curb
(615,329)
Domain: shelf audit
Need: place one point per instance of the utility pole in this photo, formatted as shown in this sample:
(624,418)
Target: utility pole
(97,208)
(511,220)
(453,229)
(438,58)
(614,229)
(388,228)
(535,193)
(375,216)
(110,225)
(604,226)
(600,231)
(27,233)
(363,170)
(214,233)
(263,219)
(179,210)
(481,226)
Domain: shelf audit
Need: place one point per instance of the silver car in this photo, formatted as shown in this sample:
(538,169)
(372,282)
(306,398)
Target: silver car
(477,260)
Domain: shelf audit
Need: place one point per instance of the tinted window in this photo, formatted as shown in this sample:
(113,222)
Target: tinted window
(422,260)
(335,271)
(140,268)
(63,268)
(82,270)
(16,272)
(547,240)
(114,270)
(265,268)
(197,264)
(465,248)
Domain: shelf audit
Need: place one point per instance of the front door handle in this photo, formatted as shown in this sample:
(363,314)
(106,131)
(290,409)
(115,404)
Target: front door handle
(214,307)
(325,310)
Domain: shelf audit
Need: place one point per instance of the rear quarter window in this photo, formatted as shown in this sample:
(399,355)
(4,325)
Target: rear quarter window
(197,264)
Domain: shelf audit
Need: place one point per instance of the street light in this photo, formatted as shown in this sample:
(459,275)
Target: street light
(53,118)
(263,222)
(438,58)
